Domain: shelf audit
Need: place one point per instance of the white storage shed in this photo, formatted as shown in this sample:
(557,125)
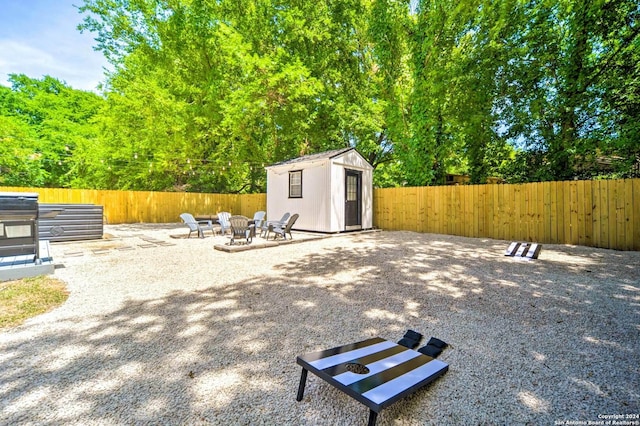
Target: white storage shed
(331,191)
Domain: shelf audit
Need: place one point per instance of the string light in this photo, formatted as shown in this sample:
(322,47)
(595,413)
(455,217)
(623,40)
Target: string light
(194,166)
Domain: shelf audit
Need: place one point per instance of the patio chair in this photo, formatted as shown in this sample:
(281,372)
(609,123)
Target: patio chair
(264,231)
(283,231)
(195,225)
(223,220)
(258,220)
(240,228)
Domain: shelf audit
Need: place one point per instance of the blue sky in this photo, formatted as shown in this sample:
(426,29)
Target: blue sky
(39,37)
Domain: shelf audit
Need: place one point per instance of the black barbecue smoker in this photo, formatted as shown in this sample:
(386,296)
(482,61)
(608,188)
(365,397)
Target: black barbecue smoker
(19,225)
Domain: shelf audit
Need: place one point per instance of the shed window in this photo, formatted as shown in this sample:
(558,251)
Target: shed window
(295,184)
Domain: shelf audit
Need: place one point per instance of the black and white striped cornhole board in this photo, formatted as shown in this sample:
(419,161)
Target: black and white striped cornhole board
(523,250)
(375,372)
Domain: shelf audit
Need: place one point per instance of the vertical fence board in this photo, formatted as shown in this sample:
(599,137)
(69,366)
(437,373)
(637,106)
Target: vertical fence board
(525,216)
(528,213)
(411,207)
(620,215)
(636,214)
(503,201)
(458,206)
(540,214)
(573,212)
(581,212)
(453,215)
(493,218)
(516,216)
(397,210)
(595,211)
(545,187)
(564,226)
(605,214)
(481,210)
(629,214)
(466,205)
(421,210)
(560,209)
(612,228)
(554,212)
(428,208)
(588,213)
(476,210)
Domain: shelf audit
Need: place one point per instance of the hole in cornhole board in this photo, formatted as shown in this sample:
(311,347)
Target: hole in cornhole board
(356,368)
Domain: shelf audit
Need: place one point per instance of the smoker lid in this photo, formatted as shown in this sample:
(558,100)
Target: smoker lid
(14,195)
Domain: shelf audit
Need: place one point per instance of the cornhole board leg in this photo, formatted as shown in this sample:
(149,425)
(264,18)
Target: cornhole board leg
(373,416)
(303,382)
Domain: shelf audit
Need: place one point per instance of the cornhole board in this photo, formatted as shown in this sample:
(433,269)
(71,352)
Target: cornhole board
(523,250)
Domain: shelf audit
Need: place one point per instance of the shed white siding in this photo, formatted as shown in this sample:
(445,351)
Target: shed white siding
(322,206)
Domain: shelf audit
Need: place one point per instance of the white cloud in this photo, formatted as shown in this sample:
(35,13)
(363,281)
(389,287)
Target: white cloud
(81,70)
(14,54)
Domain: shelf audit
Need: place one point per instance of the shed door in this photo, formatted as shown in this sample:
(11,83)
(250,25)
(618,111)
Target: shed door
(353,199)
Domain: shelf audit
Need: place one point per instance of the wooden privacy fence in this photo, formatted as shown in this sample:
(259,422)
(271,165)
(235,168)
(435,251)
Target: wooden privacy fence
(150,207)
(591,213)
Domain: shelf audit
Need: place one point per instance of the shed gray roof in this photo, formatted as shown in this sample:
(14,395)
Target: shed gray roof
(312,157)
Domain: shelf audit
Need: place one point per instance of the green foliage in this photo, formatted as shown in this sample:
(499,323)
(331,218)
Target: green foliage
(43,122)
(210,92)
(563,91)
(205,93)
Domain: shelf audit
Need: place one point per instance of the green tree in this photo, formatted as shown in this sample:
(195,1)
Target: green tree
(241,83)
(436,141)
(564,92)
(46,121)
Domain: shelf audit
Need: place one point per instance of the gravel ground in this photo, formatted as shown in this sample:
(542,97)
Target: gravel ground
(162,330)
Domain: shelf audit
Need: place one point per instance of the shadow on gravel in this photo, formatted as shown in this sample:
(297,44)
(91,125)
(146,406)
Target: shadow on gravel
(531,342)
